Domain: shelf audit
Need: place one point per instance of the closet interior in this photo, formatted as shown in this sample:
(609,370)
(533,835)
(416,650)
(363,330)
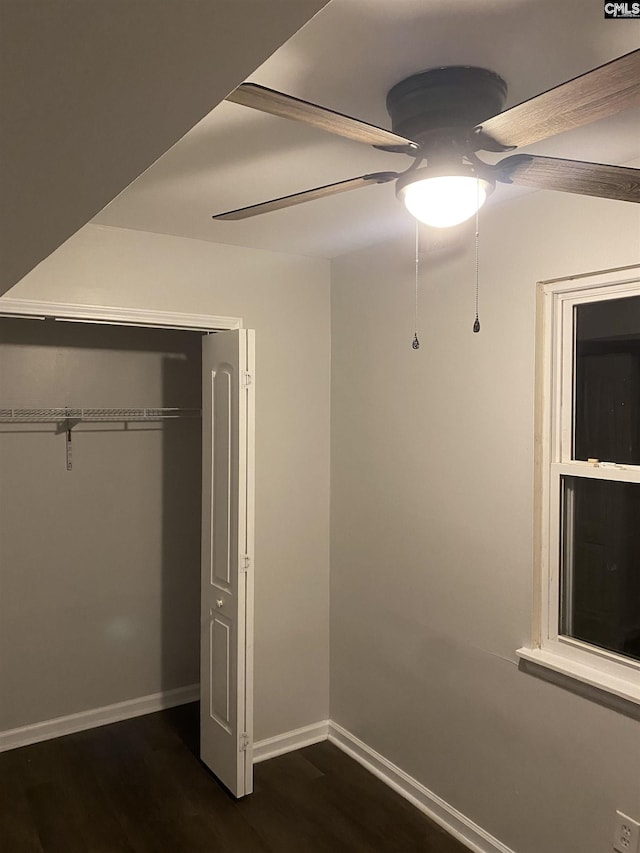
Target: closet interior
(100,497)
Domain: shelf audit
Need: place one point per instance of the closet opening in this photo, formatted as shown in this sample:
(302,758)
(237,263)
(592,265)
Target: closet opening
(102,532)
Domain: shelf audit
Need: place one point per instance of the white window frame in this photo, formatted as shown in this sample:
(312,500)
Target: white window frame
(549,649)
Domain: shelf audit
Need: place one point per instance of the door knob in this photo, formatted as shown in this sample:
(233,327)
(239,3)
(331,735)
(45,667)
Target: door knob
(219,602)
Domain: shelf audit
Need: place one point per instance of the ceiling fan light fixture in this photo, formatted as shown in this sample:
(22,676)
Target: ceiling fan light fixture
(442,200)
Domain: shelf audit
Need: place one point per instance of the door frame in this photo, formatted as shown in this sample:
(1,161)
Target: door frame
(31,309)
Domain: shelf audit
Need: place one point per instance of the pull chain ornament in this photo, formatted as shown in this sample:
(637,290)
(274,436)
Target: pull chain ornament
(415,343)
(476,323)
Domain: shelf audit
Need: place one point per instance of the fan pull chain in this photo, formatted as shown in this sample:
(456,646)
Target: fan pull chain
(415,343)
(476,323)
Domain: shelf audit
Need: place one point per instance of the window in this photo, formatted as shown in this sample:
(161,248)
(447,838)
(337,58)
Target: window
(588,482)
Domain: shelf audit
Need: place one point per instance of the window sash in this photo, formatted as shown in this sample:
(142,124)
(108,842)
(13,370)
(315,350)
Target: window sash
(551,626)
(563,448)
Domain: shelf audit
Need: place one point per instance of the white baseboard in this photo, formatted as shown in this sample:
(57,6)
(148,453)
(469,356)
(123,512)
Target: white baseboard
(449,818)
(287,742)
(59,726)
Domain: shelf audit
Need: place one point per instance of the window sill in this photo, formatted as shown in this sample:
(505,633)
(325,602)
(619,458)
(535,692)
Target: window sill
(564,671)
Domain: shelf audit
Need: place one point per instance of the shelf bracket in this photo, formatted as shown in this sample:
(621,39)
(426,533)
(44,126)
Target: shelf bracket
(69,447)
(66,426)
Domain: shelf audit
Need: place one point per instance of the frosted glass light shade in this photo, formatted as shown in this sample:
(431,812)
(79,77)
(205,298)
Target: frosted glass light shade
(445,201)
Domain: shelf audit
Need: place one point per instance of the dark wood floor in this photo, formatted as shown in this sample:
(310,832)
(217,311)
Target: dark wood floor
(138,787)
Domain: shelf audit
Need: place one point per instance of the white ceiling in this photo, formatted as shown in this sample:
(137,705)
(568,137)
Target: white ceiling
(347,58)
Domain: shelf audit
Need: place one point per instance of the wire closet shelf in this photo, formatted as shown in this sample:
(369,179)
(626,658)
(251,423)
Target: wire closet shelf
(86,415)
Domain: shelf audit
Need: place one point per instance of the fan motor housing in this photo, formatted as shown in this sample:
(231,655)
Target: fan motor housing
(444,101)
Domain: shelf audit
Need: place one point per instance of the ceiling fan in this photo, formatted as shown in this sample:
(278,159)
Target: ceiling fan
(444,116)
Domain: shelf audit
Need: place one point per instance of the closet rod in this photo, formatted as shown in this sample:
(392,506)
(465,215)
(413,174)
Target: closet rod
(77,415)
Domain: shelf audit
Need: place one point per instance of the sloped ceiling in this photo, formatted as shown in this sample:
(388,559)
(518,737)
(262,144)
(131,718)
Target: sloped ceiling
(94,92)
(346,58)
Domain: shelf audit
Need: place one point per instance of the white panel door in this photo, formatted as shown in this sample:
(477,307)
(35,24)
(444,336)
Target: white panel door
(226,641)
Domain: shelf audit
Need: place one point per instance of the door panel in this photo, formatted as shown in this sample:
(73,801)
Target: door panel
(227,550)
(224,482)
(220,633)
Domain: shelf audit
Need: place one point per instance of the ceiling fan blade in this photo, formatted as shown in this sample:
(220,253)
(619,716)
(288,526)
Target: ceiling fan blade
(286,106)
(602,92)
(572,176)
(307,195)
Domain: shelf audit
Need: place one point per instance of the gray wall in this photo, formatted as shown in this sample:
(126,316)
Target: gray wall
(286,300)
(432,529)
(110,87)
(99,566)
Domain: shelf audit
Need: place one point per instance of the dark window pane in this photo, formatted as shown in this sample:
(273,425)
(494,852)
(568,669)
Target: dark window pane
(600,580)
(607,369)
